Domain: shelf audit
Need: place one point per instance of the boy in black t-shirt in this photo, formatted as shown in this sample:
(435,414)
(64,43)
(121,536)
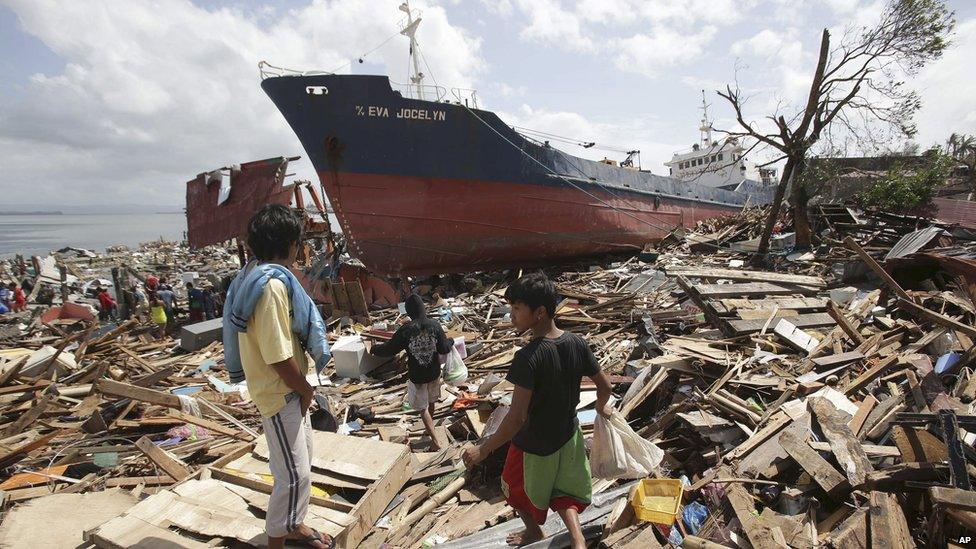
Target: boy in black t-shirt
(546,467)
(424,340)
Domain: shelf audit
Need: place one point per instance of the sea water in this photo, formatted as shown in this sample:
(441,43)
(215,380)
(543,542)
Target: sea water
(39,234)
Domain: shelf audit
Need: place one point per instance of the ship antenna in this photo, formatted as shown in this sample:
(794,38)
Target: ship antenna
(706,125)
(409,30)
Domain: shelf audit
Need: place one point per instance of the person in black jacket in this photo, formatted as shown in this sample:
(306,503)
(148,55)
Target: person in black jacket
(423,339)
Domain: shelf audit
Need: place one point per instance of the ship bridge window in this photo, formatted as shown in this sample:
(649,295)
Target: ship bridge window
(713,158)
(719,157)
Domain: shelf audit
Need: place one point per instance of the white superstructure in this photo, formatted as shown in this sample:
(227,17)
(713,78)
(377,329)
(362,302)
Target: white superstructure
(720,163)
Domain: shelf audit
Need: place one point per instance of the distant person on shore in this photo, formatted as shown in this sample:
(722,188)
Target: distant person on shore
(107,305)
(152,284)
(19,300)
(271,327)
(424,340)
(157,311)
(6,295)
(166,295)
(209,305)
(195,302)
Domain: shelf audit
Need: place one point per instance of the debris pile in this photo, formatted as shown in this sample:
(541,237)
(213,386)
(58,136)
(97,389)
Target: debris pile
(824,399)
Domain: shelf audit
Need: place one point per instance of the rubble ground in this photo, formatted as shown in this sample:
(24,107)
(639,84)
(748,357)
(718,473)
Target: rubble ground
(823,398)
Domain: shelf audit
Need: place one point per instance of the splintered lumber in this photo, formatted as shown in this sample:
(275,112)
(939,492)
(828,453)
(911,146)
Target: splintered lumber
(844,322)
(845,446)
(819,468)
(869,376)
(755,276)
(30,415)
(162,459)
(852,533)
(918,445)
(760,534)
(440,497)
(695,542)
(888,526)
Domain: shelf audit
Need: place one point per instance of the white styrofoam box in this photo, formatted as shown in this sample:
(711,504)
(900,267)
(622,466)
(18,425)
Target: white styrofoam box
(351,358)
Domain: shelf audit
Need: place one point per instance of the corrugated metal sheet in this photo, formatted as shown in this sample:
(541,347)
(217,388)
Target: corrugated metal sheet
(913,242)
(256,184)
(956,211)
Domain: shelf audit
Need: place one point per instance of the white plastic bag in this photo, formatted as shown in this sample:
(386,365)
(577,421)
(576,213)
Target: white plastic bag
(619,452)
(455,372)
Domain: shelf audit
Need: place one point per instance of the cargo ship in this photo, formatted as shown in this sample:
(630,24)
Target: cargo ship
(423,181)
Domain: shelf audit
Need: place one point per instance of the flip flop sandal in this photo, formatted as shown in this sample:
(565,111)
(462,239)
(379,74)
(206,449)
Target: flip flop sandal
(328,541)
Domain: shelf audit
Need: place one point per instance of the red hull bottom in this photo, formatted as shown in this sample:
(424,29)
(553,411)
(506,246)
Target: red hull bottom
(399,225)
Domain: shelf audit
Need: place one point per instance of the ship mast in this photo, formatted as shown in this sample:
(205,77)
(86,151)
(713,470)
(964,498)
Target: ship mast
(409,30)
(706,125)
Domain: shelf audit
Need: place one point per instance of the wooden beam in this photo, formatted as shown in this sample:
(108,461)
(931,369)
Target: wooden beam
(759,533)
(845,323)
(887,524)
(170,465)
(753,276)
(126,390)
(710,313)
(845,446)
(813,463)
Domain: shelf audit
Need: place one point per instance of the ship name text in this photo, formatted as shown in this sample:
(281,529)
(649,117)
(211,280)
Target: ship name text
(374,111)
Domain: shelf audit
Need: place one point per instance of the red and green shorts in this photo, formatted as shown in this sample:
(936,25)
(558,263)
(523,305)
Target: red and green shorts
(534,484)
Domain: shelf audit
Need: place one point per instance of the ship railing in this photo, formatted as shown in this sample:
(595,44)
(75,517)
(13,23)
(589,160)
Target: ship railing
(269,71)
(466,96)
(426,92)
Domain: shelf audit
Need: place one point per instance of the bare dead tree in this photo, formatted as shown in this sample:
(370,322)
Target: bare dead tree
(858,87)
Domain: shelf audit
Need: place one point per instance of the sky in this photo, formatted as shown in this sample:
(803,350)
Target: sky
(121,102)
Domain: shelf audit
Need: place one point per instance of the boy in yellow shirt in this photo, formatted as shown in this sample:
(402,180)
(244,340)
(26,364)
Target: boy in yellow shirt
(265,301)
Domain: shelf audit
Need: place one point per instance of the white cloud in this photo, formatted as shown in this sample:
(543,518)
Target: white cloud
(664,47)
(155,92)
(549,23)
(946,88)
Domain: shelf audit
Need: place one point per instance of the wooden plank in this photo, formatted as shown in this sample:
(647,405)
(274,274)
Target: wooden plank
(149,380)
(959,476)
(867,377)
(838,359)
(759,533)
(918,445)
(125,390)
(813,463)
(852,533)
(953,498)
(804,304)
(370,507)
(357,301)
(887,523)
(712,291)
(809,320)
(170,465)
(755,276)
(845,323)
(209,424)
(795,336)
(863,410)
(845,446)
(872,450)
(31,415)
(706,308)
(777,423)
